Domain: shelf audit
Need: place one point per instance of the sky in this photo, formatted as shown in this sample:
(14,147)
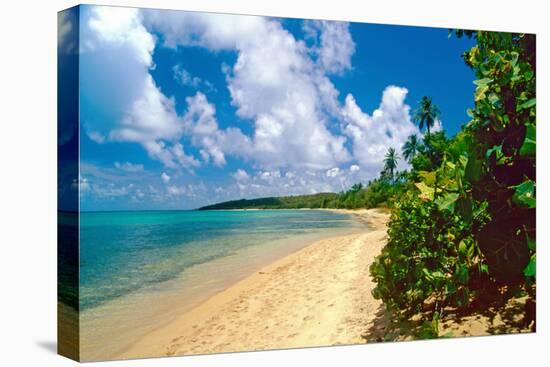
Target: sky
(183,109)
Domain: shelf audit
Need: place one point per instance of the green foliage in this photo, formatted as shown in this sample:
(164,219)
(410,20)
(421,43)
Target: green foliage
(470,210)
(379,192)
(321,200)
(431,252)
(411,147)
(426,114)
(436,146)
(390,162)
(503,127)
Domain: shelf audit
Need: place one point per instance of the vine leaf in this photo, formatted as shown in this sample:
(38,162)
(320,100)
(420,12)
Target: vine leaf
(447,202)
(525,195)
(529,147)
(531,268)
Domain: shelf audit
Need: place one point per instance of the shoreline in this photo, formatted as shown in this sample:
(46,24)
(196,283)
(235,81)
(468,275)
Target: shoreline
(288,296)
(138,317)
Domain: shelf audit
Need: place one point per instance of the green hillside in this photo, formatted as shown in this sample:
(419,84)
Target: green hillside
(321,200)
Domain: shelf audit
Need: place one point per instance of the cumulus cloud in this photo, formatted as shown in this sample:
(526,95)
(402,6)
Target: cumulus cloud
(274,83)
(122,26)
(388,126)
(117,56)
(333,172)
(333,44)
(301,136)
(241,175)
(201,124)
(176,190)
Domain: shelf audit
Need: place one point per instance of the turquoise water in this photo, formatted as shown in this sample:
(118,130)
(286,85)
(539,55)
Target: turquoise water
(123,252)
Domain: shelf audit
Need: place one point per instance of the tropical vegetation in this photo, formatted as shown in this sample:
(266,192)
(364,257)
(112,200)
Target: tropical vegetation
(464,232)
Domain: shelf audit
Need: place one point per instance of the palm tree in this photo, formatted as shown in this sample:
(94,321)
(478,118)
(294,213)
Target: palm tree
(390,161)
(410,148)
(426,114)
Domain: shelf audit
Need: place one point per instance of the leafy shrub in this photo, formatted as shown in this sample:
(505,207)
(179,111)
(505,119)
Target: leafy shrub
(429,259)
(471,212)
(503,127)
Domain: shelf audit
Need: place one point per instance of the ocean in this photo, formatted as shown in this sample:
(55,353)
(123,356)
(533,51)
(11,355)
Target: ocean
(140,269)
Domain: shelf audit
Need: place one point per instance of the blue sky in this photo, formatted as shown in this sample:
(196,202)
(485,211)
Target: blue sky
(180,109)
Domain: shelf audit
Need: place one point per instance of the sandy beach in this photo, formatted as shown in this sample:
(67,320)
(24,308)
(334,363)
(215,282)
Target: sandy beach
(317,296)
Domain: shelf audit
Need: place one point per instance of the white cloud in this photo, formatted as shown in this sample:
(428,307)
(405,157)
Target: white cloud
(274,83)
(176,190)
(301,132)
(165,178)
(215,31)
(388,126)
(333,172)
(122,26)
(241,175)
(438,126)
(333,44)
(277,183)
(129,167)
(117,56)
(95,136)
(182,158)
(185,78)
(201,124)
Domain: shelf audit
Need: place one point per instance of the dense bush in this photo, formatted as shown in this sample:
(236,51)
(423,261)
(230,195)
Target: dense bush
(503,129)
(471,212)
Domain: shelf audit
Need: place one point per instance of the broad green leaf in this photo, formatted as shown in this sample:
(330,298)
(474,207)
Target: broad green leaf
(480,92)
(493,98)
(462,248)
(484,269)
(471,250)
(428,177)
(514,60)
(482,82)
(464,208)
(499,155)
(531,268)
(529,147)
(426,192)
(532,244)
(527,104)
(525,194)
(473,169)
(447,201)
